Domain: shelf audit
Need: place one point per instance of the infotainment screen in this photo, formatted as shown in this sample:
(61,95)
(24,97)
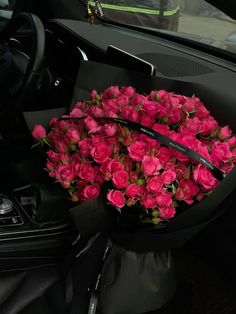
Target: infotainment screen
(123,59)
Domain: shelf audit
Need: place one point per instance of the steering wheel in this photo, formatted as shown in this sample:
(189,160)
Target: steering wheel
(20,72)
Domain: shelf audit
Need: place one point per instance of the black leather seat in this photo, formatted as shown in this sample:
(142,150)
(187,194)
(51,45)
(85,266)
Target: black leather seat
(33,291)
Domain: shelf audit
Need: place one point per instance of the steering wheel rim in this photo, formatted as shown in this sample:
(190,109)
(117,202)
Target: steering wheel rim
(34,68)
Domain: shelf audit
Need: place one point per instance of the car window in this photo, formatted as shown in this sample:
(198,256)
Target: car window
(193,19)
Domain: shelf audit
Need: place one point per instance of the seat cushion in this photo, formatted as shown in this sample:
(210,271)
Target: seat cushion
(20,289)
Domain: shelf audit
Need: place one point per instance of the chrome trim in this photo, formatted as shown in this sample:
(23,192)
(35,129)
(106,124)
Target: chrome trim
(83,54)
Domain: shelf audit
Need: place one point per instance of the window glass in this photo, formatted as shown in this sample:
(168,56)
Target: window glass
(194,19)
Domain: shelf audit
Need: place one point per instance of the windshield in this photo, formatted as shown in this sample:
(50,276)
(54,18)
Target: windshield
(194,19)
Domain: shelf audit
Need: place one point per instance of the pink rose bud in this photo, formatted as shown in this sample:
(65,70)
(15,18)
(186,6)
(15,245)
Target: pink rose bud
(93,94)
(76,113)
(39,132)
(225,132)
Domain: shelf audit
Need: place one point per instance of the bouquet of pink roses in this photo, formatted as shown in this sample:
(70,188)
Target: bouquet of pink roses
(148,151)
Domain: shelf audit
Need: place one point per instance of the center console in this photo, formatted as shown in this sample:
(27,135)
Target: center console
(9,213)
(35,228)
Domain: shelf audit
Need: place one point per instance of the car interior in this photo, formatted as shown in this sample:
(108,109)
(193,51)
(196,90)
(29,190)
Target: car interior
(45,51)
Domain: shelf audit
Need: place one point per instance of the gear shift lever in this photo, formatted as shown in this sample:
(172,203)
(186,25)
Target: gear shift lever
(6,206)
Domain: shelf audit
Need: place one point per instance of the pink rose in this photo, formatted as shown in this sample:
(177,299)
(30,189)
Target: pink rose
(97,112)
(53,121)
(220,153)
(151,143)
(91,191)
(150,165)
(111,92)
(55,157)
(85,147)
(154,185)
(122,100)
(76,113)
(110,105)
(130,113)
(114,165)
(64,158)
(65,173)
(164,199)
(133,115)
(39,132)
(97,139)
(146,120)
(137,150)
(208,126)
(168,176)
(162,112)
(81,105)
(101,152)
(110,129)
(174,115)
(91,124)
(128,91)
(116,198)
(61,146)
(150,107)
(164,154)
(138,100)
(161,93)
(186,191)
(148,202)
(225,132)
(177,154)
(50,165)
(201,111)
(171,101)
(120,179)
(85,171)
(204,177)
(227,167)
(73,135)
(193,125)
(189,104)
(167,212)
(132,190)
(234,155)
(232,141)
(161,128)
(94,94)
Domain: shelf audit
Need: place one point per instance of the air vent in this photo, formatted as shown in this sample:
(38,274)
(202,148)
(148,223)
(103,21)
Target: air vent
(175,66)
